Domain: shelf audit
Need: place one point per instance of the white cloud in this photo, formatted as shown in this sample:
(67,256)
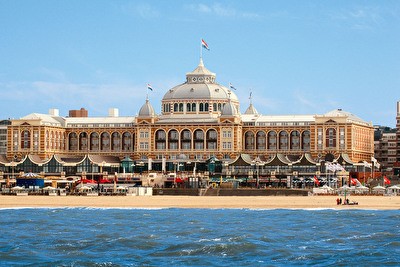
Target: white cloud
(361,18)
(220,10)
(142,10)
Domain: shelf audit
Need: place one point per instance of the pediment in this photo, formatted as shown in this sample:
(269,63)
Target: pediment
(330,121)
(25,124)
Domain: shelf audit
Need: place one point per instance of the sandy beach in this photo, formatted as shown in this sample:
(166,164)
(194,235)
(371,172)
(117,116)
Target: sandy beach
(258,202)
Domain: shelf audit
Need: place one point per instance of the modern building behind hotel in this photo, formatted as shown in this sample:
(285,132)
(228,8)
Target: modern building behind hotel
(199,120)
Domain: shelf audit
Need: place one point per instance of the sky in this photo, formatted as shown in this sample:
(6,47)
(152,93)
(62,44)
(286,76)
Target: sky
(296,57)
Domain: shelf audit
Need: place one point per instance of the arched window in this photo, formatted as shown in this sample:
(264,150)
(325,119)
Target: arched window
(295,140)
(115,142)
(126,141)
(105,141)
(83,141)
(212,137)
(73,141)
(206,107)
(161,140)
(198,139)
(215,107)
(176,107)
(180,107)
(249,140)
(272,140)
(201,107)
(193,107)
(261,140)
(186,139)
(173,138)
(305,140)
(330,137)
(94,142)
(188,107)
(283,140)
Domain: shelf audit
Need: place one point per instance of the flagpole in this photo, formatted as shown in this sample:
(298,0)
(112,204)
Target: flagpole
(201,50)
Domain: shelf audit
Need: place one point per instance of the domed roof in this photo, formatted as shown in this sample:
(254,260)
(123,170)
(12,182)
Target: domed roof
(146,110)
(251,110)
(200,84)
(229,110)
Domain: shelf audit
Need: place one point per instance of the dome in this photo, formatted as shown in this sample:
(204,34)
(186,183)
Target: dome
(229,110)
(200,85)
(251,110)
(146,110)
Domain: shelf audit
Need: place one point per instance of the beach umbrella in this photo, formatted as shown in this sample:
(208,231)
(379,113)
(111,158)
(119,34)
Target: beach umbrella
(17,188)
(30,175)
(48,188)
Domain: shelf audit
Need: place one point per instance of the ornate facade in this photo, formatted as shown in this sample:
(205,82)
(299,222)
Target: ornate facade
(199,119)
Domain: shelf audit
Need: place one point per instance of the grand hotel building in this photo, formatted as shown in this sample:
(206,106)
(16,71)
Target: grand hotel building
(199,120)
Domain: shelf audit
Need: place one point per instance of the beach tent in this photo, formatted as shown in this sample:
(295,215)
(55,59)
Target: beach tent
(49,188)
(362,189)
(393,190)
(17,188)
(378,189)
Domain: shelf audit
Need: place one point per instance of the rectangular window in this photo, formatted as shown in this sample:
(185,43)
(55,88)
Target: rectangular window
(144,134)
(144,145)
(227,134)
(226,145)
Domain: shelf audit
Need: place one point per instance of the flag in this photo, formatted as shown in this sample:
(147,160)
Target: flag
(316,181)
(386,180)
(149,87)
(353,181)
(231,86)
(204,44)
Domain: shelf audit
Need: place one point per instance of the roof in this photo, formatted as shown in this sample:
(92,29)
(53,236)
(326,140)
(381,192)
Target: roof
(277,118)
(106,160)
(242,160)
(279,159)
(251,110)
(200,85)
(146,110)
(199,91)
(344,114)
(305,160)
(98,120)
(45,119)
(229,109)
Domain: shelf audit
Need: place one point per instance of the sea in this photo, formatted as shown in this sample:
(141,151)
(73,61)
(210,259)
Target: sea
(198,237)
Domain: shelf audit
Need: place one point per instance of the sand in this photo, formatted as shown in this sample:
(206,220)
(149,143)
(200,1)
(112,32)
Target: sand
(258,202)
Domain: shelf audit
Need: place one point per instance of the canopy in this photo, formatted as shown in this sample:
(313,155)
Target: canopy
(48,188)
(16,188)
(30,175)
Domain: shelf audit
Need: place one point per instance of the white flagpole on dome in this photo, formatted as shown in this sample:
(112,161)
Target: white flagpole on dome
(201,48)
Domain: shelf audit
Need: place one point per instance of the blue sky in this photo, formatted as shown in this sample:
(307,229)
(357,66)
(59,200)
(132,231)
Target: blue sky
(297,57)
